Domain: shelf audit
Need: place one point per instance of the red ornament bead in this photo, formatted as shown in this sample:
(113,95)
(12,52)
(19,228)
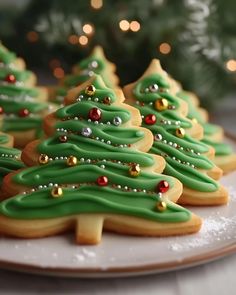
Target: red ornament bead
(63,138)
(163,186)
(150,119)
(10,78)
(95,114)
(1,110)
(24,113)
(102,181)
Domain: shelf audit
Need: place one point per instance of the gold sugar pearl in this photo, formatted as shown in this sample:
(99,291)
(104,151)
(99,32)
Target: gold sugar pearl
(90,90)
(107,100)
(161,206)
(57,192)
(43,159)
(134,170)
(71,161)
(161,104)
(180,132)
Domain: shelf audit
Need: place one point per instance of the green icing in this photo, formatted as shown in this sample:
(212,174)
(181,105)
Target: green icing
(143,95)
(86,64)
(87,199)
(221,149)
(184,156)
(210,129)
(4,138)
(18,124)
(87,148)
(60,173)
(9,161)
(86,70)
(6,57)
(21,76)
(18,91)
(14,98)
(193,112)
(33,106)
(74,80)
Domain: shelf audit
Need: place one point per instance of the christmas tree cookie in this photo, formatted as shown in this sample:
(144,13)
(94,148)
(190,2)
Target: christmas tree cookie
(186,157)
(96,63)
(21,103)
(225,158)
(93,172)
(9,59)
(9,157)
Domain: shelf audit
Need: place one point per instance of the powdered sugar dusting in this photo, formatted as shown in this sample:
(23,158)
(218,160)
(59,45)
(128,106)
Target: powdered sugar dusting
(232,193)
(215,228)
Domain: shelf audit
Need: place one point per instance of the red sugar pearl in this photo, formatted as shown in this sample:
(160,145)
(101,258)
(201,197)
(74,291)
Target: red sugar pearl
(10,78)
(102,181)
(24,113)
(1,110)
(95,114)
(163,186)
(150,119)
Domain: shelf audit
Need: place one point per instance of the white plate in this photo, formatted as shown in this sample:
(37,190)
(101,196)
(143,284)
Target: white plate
(119,255)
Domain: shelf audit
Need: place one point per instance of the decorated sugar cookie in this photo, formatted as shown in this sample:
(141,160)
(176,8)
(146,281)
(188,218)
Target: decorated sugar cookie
(9,59)
(186,157)
(22,105)
(96,63)
(9,157)
(93,173)
(225,157)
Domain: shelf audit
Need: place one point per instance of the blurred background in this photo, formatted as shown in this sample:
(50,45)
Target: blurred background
(194,39)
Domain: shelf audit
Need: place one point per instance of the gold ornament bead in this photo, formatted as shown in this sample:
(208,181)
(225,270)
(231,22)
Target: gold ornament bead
(161,104)
(180,132)
(57,192)
(194,120)
(161,206)
(43,159)
(90,90)
(107,100)
(134,170)
(71,161)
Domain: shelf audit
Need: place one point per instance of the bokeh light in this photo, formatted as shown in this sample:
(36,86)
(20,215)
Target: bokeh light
(165,48)
(58,73)
(135,26)
(32,36)
(231,65)
(88,29)
(83,40)
(73,39)
(124,25)
(96,4)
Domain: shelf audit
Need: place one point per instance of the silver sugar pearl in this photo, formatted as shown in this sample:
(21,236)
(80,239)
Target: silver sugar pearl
(153,88)
(158,137)
(86,131)
(93,64)
(117,121)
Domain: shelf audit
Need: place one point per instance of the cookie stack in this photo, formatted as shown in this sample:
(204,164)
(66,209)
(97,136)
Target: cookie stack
(22,104)
(108,162)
